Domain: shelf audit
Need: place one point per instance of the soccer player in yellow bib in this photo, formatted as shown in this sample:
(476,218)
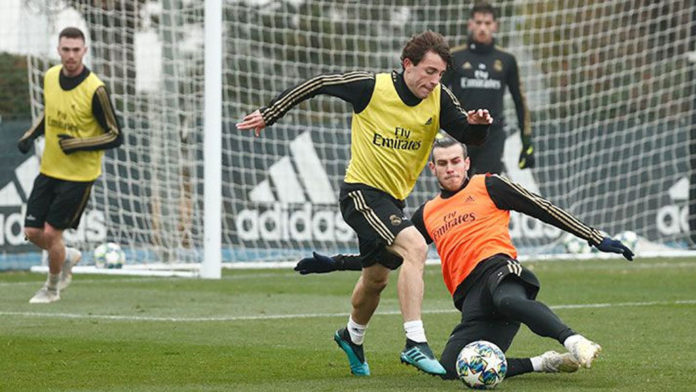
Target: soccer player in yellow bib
(78,125)
(396,117)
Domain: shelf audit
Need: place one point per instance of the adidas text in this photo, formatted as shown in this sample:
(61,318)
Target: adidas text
(292,222)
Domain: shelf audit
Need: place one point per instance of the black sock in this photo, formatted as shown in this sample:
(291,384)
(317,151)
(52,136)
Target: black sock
(518,366)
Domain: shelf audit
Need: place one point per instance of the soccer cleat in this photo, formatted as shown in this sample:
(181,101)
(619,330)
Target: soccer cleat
(420,356)
(45,296)
(72,257)
(585,351)
(553,362)
(356,357)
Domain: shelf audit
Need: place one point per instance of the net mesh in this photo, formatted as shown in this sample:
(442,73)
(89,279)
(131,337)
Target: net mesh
(609,86)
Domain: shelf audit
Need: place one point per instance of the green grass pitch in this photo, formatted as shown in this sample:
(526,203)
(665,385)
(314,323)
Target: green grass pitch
(271,330)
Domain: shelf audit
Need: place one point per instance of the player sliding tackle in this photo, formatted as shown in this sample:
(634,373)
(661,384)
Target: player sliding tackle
(396,117)
(468,222)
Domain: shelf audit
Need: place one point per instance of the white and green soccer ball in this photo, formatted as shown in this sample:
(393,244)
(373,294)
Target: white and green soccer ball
(481,365)
(628,238)
(575,246)
(109,255)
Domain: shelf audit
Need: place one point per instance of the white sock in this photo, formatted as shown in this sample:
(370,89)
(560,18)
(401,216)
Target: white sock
(536,363)
(52,281)
(415,331)
(356,331)
(571,340)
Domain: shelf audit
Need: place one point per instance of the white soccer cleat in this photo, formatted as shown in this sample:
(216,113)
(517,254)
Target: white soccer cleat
(45,296)
(553,362)
(72,257)
(585,351)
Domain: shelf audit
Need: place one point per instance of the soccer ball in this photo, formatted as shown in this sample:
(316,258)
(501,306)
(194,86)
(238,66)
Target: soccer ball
(109,255)
(575,246)
(628,238)
(481,365)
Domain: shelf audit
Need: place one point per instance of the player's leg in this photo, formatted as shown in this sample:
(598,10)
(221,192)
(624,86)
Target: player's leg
(514,298)
(478,322)
(38,207)
(365,299)
(412,249)
(65,213)
(67,203)
(367,211)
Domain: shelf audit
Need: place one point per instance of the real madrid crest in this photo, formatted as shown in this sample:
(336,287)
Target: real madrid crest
(498,65)
(395,220)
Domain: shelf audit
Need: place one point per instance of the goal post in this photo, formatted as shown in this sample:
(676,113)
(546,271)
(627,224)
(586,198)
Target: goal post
(608,85)
(212,256)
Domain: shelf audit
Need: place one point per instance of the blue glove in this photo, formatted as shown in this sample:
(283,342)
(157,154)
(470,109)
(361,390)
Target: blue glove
(611,245)
(318,264)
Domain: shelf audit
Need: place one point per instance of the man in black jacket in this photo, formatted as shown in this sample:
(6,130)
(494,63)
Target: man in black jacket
(478,78)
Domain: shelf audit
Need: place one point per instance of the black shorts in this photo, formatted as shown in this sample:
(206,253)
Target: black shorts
(57,202)
(480,320)
(377,218)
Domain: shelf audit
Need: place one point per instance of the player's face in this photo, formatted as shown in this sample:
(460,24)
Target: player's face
(422,79)
(482,26)
(449,166)
(71,52)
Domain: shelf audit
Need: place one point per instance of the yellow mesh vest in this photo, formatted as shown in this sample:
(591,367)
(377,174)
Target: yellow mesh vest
(391,141)
(70,113)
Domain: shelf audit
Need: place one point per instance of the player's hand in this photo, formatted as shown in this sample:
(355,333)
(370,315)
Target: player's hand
(611,245)
(253,121)
(527,156)
(63,138)
(24,145)
(318,264)
(480,116)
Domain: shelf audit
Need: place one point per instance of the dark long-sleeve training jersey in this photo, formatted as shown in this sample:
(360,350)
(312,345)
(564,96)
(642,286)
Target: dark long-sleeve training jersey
(510,196)
(357,87)
(478,79)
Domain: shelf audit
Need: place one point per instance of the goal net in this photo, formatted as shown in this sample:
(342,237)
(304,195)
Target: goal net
(609,86)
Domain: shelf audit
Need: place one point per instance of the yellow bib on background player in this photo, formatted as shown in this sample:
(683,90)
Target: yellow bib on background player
(70,113)
(391,141)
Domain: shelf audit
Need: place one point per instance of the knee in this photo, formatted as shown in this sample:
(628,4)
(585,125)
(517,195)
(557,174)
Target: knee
(416,251)
(33,234)
(52,236)
(375,283)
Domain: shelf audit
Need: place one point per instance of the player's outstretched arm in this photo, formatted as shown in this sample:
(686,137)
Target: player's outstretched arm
(611,245)
(253,121)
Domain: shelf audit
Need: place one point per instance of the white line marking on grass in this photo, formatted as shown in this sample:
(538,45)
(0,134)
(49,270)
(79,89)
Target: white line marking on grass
(305,315)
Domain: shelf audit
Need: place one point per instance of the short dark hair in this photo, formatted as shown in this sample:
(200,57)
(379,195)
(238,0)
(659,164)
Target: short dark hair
(483,8)
(71,32)
(444,141)
(427,41)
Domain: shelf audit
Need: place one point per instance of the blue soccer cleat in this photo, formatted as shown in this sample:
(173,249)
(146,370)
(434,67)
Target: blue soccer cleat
(356,357)
(420,356)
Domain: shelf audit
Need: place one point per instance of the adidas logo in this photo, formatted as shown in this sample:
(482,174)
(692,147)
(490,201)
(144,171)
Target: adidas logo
(288,180)
(469,199)
(24,175)
(430,121)
(673,218)
(295,203)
